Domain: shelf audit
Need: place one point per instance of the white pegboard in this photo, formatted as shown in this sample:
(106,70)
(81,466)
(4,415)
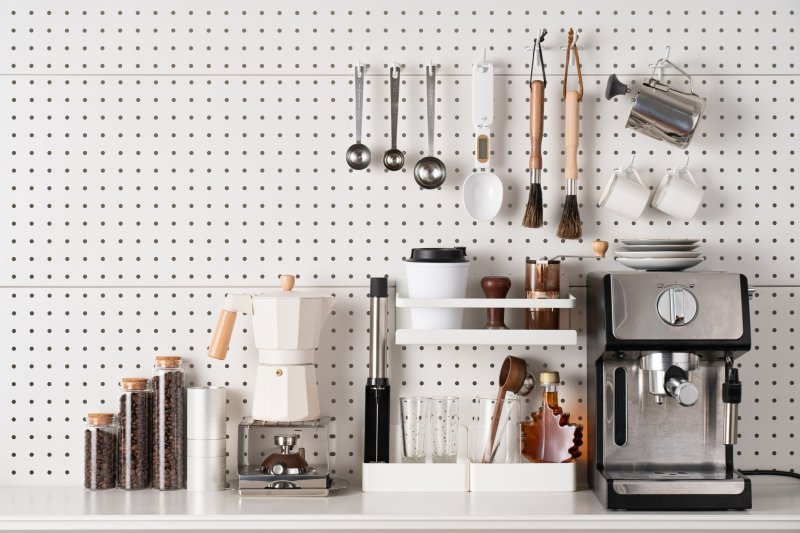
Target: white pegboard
(156,156)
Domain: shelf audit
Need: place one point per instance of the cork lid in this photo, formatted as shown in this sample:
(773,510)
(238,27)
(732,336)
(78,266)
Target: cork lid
(549,378)
(100,419)
(134,383)
(168,361)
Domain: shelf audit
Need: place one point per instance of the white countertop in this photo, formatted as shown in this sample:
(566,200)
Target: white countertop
(776,506)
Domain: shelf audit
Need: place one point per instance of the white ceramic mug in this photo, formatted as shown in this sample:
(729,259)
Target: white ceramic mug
(678,194)
(625,193)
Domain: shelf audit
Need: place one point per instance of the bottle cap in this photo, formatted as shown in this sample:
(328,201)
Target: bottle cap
(100,419)
(549,378)
(134,383)
(168,361)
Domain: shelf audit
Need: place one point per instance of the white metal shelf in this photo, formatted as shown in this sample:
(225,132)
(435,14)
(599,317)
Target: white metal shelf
(487,337)
(482,303)
(507,337)
(776,506)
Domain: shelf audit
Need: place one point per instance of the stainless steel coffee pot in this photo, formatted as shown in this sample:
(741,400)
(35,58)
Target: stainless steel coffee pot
(659,110)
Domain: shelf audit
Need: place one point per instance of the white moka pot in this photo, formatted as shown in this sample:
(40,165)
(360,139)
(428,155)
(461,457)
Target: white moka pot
(286,327)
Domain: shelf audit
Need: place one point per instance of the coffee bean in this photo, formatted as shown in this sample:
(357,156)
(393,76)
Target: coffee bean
(100,458)
(134,439)
(169,430)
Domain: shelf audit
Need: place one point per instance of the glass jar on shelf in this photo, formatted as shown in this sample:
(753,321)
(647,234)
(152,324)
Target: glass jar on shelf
(135,404)
(100,452)
(169,424)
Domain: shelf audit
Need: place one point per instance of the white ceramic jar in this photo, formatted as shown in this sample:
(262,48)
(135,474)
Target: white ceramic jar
(437,273)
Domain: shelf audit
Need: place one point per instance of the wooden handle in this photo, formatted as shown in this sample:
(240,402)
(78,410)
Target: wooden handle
(537,124)
(287,282)
(221,339)
(511,379)
(498,410)
(599,247)
(571,135)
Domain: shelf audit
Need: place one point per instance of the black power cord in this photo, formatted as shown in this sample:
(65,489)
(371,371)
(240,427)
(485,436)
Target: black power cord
(784,473)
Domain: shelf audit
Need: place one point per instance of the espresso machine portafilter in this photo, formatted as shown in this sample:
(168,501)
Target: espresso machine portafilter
(663,390)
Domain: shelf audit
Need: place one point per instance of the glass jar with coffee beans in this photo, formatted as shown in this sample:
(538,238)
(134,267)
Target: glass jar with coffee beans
(100,452)
(135,411)
(169,424)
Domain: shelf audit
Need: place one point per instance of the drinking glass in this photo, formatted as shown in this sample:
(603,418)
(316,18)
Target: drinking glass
(414,419)
(444,428)
(506,445)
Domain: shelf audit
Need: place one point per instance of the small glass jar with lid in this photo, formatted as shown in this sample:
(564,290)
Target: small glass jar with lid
(100,452)
(135,405)
(169,424)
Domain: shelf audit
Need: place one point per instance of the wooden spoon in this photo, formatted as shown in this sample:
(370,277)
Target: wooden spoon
(513,378)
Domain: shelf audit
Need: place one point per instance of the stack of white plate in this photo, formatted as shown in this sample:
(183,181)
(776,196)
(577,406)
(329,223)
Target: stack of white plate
(659,253)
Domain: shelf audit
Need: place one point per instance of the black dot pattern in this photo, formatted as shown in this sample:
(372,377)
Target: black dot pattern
(157,157)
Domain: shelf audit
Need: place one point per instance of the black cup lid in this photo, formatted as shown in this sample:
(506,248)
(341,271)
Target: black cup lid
(438,255)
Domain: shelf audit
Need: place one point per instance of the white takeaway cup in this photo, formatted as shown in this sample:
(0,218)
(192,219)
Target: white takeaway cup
(437,273)
(678,194)
(625,193)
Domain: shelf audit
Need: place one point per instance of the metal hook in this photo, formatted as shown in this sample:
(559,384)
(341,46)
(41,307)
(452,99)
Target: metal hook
(572,46)
(685,164)
(630,165)
(360,68)
(537,58)
(661,64)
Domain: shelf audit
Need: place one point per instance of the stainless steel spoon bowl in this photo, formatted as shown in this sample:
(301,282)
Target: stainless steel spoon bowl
(393,159)
(430,172)
(358,155)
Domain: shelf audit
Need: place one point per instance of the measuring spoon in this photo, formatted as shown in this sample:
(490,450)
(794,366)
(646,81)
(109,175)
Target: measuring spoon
(393,159)
(430,172)
(358,155)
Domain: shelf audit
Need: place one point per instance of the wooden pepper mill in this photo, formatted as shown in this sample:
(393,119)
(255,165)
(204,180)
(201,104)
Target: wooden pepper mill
(495,287)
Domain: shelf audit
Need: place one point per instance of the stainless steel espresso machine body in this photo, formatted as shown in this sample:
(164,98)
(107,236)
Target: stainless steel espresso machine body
(663,388)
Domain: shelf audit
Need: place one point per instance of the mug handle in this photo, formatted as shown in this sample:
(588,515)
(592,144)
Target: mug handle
(635,175)
(683,171)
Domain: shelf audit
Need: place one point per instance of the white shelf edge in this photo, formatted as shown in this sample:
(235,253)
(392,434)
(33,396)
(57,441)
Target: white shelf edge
(510,337)
(482,303)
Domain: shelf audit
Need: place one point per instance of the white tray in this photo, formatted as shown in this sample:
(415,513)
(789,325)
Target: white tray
(427,477)
(395,476)
(523,477)
(464,476)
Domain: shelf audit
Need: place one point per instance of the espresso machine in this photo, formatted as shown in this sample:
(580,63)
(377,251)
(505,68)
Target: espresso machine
(663,392)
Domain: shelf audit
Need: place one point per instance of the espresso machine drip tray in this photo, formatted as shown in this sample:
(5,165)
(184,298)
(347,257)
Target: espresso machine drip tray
(285,459)
(676,482)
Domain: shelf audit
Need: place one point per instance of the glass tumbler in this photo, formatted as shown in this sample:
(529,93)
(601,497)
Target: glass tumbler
(414,419)
(444,428)
(505,448)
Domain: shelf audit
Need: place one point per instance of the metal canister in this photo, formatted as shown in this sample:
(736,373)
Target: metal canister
(542,280)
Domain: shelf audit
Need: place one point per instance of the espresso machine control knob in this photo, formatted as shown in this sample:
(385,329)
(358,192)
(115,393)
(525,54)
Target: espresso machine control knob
(677,306)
